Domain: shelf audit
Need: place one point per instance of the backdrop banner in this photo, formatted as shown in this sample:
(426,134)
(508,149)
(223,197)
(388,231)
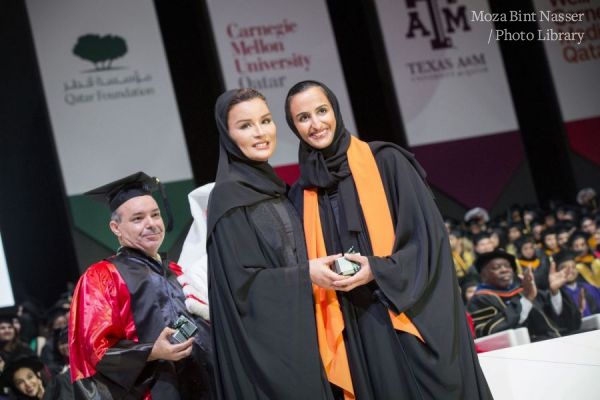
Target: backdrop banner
(572,33)
(270,45)
(453,94)
(110,99)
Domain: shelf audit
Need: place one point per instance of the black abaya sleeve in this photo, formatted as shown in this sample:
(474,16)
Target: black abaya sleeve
(421,260)
(419,279)
(569,320)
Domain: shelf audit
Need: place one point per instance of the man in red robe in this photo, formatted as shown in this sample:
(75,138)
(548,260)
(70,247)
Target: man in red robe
(120,340)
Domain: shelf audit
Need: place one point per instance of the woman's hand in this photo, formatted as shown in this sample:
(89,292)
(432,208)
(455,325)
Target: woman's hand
(362,277)
(321,273)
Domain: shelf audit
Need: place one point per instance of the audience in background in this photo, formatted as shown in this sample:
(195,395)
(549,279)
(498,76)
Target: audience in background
(537,238)
(500,302)
(25,377)
(583,294)
(10,343)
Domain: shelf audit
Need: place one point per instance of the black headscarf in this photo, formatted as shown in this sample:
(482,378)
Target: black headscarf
(240,181)
(326,167)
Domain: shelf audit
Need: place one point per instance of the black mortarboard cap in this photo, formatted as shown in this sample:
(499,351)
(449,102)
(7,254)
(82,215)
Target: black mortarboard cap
(8,314)
(139,184)
(118,192)
(483,259)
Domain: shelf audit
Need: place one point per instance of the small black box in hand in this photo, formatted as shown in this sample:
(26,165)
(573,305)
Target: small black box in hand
(184,329)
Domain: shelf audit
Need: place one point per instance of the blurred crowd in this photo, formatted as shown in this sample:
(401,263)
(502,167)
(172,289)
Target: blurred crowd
(531,267)
(34,351)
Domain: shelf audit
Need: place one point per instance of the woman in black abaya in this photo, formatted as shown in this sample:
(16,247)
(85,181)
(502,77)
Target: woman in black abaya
(260,293)
(398,325)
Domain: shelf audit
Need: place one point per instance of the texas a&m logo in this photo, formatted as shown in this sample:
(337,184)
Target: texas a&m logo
(439,21)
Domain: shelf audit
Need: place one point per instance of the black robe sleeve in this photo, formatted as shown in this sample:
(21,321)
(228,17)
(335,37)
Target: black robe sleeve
(569,320)
(264,332)
(419,279)
(421,258)
(491,315)
(125,368)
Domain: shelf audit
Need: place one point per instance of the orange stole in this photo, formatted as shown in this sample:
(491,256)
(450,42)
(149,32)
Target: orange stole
(533,264)
(329,319)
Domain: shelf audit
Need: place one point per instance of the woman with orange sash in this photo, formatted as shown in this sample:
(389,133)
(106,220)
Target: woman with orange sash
(396,329)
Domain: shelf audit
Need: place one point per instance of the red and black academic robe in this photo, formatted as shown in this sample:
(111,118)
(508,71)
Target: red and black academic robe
(119,308)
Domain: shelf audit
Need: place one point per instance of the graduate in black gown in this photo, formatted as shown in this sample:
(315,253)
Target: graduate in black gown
(121,342)
(264,335)
(404,333)
(501,302)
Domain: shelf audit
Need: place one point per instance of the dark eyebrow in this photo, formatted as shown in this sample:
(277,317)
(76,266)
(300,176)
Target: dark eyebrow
(248,119)
(317,107)
(142,213)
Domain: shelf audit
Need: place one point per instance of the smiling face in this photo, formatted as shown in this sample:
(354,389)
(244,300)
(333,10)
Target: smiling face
(28,382)
(313,117)
(498,273)
(7,331)
(251,127)
(140,225)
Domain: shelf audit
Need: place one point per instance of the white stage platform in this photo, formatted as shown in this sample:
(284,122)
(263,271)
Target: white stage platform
(563,368)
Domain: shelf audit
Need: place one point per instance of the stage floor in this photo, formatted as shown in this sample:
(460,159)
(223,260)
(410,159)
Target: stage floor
(563,368)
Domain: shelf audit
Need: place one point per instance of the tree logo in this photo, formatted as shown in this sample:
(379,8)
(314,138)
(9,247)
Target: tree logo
(100,50)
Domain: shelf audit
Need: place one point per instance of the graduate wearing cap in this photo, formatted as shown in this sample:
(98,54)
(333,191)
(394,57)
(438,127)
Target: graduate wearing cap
(584,295)
(119,336)
(500,303)
(10,344)
(57,318)
(528,257)
(22,376)
(550,241)
(587,264)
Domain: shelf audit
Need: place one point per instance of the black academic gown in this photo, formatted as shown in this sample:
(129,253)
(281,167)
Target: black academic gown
(418,279)
(494,312)
(156,301)
(264,334)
